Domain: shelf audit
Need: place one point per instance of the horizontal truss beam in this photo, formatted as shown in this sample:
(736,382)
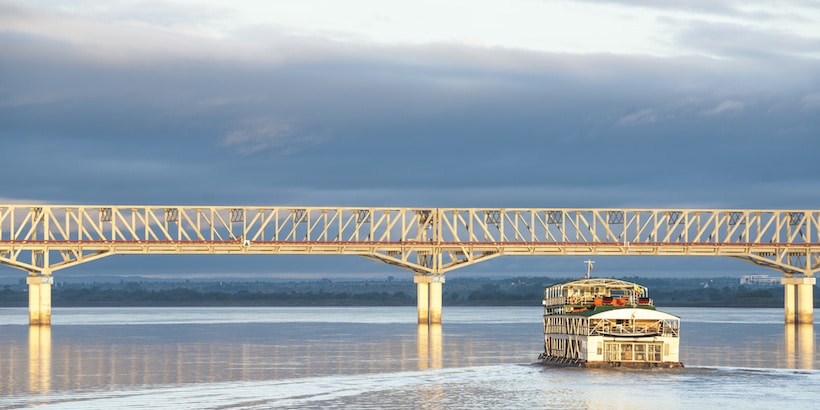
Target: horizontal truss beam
(423,240)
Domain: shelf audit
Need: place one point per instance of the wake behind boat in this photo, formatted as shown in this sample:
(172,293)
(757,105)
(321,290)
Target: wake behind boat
(607,323)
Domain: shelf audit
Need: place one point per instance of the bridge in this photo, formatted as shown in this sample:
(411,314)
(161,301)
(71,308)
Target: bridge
(429,242)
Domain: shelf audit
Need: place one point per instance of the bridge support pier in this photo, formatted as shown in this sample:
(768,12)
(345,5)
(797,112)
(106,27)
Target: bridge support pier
(429,298)
(39,300)
(798,300)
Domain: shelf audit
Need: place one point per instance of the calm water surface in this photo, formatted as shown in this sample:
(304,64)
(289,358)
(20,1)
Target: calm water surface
(481,357)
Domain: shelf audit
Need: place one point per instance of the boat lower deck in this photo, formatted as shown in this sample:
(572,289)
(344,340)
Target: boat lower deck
(567,362)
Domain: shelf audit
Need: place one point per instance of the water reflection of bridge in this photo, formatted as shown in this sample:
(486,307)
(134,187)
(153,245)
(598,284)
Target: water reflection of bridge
(45,365)
(796,350)
(69,364)
(41,239)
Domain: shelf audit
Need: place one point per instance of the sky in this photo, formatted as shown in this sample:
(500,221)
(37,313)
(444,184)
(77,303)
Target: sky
(642,104)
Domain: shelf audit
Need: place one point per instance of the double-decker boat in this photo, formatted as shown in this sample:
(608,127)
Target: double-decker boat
(607,323)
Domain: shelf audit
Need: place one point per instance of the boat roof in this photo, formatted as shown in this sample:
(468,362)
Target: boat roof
(625,312)
(598,282)
(633,313)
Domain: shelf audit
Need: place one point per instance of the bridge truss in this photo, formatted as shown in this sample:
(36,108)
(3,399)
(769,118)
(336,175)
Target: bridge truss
(427,241)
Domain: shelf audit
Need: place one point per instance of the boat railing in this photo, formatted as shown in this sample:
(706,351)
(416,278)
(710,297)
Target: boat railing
(569,301)
(592,300)
(605,327)
(670,328)
(610,327)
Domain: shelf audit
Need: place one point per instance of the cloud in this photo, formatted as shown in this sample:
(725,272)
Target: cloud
(810,102)
(714,7)
(784,10)
(19,201)
(646,116)
(748,41)
(282,137)
(728,106)
(146,32)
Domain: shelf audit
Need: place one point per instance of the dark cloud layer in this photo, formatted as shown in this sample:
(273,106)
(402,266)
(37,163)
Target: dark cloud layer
(367,123)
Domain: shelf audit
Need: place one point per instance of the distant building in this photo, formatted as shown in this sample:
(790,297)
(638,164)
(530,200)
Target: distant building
(759,280)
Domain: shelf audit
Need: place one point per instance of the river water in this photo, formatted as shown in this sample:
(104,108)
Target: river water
(378,357)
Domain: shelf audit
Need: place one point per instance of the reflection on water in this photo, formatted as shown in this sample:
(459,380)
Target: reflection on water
(91,357)
(772,346)
(799,340)
(429,346)
(429,357)
(41,360)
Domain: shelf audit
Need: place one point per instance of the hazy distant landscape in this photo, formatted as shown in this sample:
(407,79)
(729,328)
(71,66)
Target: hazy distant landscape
(521,291)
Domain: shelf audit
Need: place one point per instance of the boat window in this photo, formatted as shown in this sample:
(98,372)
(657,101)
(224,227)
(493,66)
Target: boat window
(653,352)
(634,351)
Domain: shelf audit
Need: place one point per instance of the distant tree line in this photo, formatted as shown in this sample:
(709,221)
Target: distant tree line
(98,295)
(523,291)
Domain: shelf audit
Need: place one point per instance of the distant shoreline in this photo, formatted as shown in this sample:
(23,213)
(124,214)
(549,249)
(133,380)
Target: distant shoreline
(522,291)
(56,303)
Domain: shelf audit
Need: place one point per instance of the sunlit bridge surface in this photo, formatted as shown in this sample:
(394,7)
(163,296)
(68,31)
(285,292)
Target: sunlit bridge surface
(429,242)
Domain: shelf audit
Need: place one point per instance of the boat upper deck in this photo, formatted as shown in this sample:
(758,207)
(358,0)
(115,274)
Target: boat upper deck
(599,294)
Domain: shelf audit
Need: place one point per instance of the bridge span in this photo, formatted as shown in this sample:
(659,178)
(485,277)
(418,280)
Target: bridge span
(41,239)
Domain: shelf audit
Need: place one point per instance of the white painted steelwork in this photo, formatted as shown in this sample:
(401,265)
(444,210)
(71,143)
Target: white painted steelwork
(423,240)
(42,238)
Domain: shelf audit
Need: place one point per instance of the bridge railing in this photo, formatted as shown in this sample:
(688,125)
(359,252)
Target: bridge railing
(630,226)
(420,239)
(197,224)
(392,225)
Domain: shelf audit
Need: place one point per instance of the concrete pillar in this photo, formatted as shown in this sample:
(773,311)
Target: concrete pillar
(798,300)
(435,302)
(39,300)
(429,297)
(423,301)
(805,301)
(788,301)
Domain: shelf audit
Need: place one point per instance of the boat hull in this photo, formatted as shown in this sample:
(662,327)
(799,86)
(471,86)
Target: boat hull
(555,361)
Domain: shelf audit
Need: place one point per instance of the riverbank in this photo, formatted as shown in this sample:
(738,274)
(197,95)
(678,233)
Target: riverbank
(522,291)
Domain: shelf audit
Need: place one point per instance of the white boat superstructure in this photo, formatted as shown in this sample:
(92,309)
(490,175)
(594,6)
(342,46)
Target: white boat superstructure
(607,322)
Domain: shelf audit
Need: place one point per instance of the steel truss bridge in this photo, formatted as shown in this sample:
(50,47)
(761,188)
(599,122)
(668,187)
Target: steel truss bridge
(41,239)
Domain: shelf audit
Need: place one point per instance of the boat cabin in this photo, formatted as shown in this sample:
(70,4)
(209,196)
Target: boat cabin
(588,294)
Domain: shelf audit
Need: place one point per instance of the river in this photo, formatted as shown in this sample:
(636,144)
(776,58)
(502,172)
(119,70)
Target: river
(378,357)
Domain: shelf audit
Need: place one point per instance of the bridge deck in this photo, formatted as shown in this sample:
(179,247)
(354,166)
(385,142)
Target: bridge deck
(41,239)
(423,240)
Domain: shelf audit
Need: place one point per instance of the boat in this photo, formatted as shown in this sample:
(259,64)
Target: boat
(600,322)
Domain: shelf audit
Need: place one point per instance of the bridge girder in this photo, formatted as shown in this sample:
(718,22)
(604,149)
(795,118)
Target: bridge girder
(427,241)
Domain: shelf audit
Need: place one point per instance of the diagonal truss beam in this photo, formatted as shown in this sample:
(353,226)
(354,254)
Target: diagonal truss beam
(422,240)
